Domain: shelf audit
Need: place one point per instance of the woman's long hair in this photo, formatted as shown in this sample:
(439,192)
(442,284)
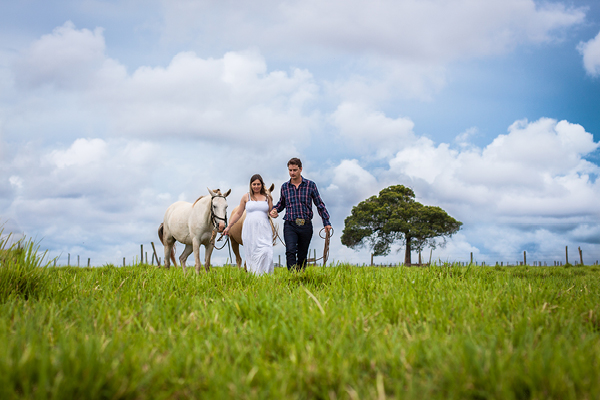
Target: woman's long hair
(263,188)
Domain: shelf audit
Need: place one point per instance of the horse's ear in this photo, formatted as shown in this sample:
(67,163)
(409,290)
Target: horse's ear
(213,194)
(272,188)
(227,193)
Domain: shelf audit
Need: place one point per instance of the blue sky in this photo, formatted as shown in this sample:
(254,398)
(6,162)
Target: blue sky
(112,110)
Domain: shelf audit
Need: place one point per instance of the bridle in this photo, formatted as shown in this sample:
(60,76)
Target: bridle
(214,217)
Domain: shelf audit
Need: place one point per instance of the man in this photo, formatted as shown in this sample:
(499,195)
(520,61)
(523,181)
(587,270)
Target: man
(297,196)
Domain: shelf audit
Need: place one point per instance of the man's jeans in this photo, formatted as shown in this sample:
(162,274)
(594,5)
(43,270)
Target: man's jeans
(297,239)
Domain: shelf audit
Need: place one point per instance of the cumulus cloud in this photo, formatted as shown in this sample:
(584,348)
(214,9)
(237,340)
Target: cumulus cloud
(350,184)
(534,170)
(371,132)
(590,51)
(233,98)
(66,58)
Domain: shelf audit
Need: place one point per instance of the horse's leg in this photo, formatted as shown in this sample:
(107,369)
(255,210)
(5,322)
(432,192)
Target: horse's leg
(169,242)
(196,248)
(235,246)
(189,249)
(207,253)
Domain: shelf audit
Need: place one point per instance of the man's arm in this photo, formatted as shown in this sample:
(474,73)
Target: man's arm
(280,204)
(320,207)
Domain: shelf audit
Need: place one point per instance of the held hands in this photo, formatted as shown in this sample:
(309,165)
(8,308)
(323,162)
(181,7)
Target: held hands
(274,213)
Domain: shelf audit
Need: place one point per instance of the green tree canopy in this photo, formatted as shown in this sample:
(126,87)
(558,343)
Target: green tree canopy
(395,216)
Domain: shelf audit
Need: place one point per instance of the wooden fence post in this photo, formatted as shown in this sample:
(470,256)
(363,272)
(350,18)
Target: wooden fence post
(580,256)
(471,257)
(371,259)
(524,258)
(88,262)
(155,256)
(141,253)
(567,254)
(68,259)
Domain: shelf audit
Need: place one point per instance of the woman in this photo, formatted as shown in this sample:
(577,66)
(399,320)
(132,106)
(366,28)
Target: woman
(257,235)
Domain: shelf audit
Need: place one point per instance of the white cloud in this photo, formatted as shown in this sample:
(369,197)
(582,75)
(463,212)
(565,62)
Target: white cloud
(433,30)
(81,152)
(370,132)
(65,58)
(591,55)
(233,98)
(534,170)
(351,184)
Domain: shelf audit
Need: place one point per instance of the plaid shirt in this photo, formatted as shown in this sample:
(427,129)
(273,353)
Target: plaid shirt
(297,202)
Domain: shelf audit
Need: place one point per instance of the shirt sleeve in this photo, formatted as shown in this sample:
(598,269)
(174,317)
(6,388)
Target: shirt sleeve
(281,203)
(320,205)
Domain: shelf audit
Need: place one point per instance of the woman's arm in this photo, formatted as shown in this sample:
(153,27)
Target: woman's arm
(237,214)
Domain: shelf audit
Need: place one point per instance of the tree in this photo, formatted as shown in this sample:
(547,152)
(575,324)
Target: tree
(395,216)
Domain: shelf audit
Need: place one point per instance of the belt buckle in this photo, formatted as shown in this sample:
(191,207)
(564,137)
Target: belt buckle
(300,221)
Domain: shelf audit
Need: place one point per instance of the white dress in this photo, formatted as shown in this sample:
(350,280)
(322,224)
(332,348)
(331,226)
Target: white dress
(257,237)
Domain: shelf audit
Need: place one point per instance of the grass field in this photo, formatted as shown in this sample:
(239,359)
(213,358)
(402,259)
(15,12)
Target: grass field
(340,332)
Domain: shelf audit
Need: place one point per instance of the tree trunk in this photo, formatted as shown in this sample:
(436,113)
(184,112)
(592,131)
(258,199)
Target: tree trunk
(407,253)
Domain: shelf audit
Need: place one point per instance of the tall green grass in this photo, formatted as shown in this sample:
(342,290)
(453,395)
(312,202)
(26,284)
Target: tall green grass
(339,332)
(22,269)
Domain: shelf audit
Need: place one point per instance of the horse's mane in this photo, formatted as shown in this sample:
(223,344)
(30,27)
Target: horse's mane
(217,191)
(198,199)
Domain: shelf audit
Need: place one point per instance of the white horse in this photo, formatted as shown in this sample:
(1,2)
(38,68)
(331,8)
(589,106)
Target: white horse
(193,225)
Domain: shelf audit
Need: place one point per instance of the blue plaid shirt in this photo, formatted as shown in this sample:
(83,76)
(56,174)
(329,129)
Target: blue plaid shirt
(297,202)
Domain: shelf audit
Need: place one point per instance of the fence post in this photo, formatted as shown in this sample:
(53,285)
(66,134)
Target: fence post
(155,256)
(123,261)
(68,259)
(371,259)
(141,253)
(78,260)
(88,262)
(567,254)
(471,257)
(524,258)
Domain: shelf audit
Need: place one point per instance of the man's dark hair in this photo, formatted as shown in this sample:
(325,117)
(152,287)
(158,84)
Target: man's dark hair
(295,161)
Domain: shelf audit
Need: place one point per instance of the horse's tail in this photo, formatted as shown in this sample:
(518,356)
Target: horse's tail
(161,231)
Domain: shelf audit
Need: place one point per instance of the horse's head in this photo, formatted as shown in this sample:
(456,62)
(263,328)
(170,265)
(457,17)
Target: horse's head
(218,212)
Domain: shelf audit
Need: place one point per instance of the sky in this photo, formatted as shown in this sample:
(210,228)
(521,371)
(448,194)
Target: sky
(110,111)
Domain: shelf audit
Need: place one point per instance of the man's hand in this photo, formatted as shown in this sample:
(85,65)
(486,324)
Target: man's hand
(274,213)
(328,229)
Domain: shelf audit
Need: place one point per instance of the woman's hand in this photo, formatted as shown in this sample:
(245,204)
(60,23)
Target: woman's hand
(226,231)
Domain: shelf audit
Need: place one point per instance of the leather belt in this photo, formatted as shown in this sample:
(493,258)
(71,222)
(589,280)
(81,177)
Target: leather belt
(300,221)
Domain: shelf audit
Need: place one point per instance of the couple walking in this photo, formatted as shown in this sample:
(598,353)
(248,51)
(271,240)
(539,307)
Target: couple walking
(297,196)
